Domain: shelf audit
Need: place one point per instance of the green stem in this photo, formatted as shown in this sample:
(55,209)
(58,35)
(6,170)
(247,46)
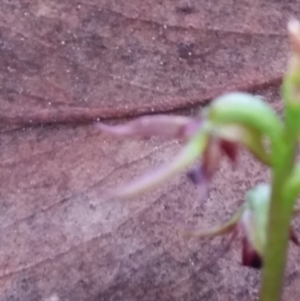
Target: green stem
(281,212)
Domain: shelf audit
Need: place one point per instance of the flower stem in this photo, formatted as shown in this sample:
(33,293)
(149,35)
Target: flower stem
(281,212)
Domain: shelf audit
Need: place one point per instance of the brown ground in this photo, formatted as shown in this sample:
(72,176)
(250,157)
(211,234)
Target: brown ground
(66,63)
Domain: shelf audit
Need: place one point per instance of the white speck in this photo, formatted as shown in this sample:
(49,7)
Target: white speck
(165,26)
(68,71)
(161,63)
(49,103)
(63,42)
(79,6)
(153,38)
(98,119)
(190,53)
(54,297)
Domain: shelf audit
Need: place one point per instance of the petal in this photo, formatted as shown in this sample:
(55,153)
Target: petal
(293,237)
(218,230)
(212,157)
(255,216)
(246,137)
(186,157)
(250,257)
(233,108)
(155,125)
(230,149)
(197,175)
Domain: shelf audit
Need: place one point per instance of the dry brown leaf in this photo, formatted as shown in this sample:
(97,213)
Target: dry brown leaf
(75,61)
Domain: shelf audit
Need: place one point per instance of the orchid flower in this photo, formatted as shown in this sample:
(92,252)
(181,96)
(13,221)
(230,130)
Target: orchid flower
(208,137)
(250,223)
